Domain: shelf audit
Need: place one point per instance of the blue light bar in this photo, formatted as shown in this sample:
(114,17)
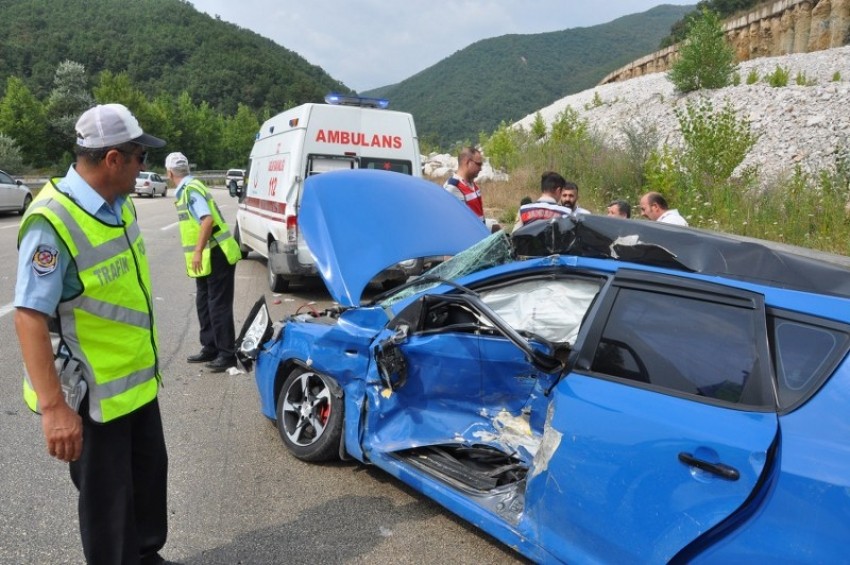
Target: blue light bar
(362,101)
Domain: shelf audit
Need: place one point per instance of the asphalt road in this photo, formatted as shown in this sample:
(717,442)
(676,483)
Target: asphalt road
(235,495)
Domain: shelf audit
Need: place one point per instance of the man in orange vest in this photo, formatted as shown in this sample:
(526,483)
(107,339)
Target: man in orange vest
(547,206)
(462,183)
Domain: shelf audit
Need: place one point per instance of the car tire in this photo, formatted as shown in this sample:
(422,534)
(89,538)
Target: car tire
(25,205)
(310,416)
(277,283)
(165,192)
(243,249)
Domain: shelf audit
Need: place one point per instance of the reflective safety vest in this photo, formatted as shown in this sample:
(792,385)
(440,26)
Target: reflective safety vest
(109,326)
(190,229)
(542,210)
(471,195)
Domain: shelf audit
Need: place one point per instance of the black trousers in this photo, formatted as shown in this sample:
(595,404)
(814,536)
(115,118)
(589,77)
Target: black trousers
(122,477)
(214,302)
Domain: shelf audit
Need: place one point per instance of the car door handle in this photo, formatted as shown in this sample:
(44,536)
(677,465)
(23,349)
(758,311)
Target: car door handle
(719,469)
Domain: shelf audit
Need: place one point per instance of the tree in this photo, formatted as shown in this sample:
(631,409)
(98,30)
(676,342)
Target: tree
(10,154)
(22,118)
(569,127)
(705,58)
(502,147)
(238,137)
(538,127)
(716,141)
(724,8)
(68,99)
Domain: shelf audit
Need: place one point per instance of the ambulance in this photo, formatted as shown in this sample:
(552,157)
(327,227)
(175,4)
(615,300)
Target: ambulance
(347,132)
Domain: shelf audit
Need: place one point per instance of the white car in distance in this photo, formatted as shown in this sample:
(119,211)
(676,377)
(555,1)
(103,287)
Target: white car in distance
(150,184)
(15,196)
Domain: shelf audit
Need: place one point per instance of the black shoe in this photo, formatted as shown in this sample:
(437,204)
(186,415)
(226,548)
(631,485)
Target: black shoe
(221,363)
(204,356)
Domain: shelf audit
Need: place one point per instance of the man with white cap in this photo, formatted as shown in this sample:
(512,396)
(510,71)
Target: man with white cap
(82,262)
(211,253)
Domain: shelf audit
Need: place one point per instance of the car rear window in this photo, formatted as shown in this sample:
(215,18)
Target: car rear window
(395,165)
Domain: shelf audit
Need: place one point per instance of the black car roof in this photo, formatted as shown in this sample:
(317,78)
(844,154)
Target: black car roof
(688,249)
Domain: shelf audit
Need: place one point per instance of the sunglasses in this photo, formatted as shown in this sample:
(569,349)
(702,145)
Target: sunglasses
(142,157)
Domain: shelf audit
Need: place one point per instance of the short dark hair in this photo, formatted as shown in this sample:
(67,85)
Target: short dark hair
(657,198)
(525,200)
(623,206)
(466,154)
(94,155)
(570,185)
(551,181)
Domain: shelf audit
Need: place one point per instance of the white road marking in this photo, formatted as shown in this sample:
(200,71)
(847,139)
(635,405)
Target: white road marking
(169,226)
(10,226)
(7,308)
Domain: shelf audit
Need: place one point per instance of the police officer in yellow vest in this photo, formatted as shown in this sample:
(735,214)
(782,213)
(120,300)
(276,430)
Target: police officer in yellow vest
(82,259)
(211,254)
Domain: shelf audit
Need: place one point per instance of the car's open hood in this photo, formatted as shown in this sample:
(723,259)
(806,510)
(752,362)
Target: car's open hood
(358,223)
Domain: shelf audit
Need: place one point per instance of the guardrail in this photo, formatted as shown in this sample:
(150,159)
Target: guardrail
(213,179)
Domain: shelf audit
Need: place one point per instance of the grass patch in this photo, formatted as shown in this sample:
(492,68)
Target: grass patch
(703,179)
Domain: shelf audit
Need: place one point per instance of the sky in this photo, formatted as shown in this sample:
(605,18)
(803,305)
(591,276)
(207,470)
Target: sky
(371,43)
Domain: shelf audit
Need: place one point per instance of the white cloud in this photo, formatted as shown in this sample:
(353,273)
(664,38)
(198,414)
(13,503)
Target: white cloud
(374,43)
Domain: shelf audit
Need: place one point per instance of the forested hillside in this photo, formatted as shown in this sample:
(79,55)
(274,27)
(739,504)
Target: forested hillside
(205,84)
(505,78)
(164,46)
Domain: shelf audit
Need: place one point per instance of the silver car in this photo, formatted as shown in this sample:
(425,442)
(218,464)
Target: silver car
(150,184)
(15,196)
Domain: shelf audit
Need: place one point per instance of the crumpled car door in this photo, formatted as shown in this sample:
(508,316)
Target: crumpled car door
(444,396)
(635,465)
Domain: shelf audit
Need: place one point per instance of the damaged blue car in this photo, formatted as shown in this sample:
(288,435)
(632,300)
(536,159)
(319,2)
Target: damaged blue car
(588,389)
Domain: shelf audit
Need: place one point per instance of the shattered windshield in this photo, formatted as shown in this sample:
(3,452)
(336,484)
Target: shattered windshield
(489,252)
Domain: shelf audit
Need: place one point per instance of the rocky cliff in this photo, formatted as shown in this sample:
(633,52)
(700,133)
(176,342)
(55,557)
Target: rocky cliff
(779,28)
(798,125)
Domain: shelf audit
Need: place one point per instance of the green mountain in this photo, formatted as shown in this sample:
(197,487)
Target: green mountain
(163,46)
(167,46)
(508,77)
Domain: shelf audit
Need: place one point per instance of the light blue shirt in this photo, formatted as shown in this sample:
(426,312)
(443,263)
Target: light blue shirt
(41,283)
(198,206)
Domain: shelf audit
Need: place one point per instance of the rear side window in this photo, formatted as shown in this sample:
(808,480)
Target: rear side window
(395,165)
(805,354)
(684,344)
(324,163)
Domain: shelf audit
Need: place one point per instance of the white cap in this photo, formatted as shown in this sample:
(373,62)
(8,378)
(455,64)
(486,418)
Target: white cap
(176,161)
(108,125)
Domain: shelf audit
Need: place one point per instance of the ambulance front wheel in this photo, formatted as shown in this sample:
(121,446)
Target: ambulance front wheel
(276,282)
